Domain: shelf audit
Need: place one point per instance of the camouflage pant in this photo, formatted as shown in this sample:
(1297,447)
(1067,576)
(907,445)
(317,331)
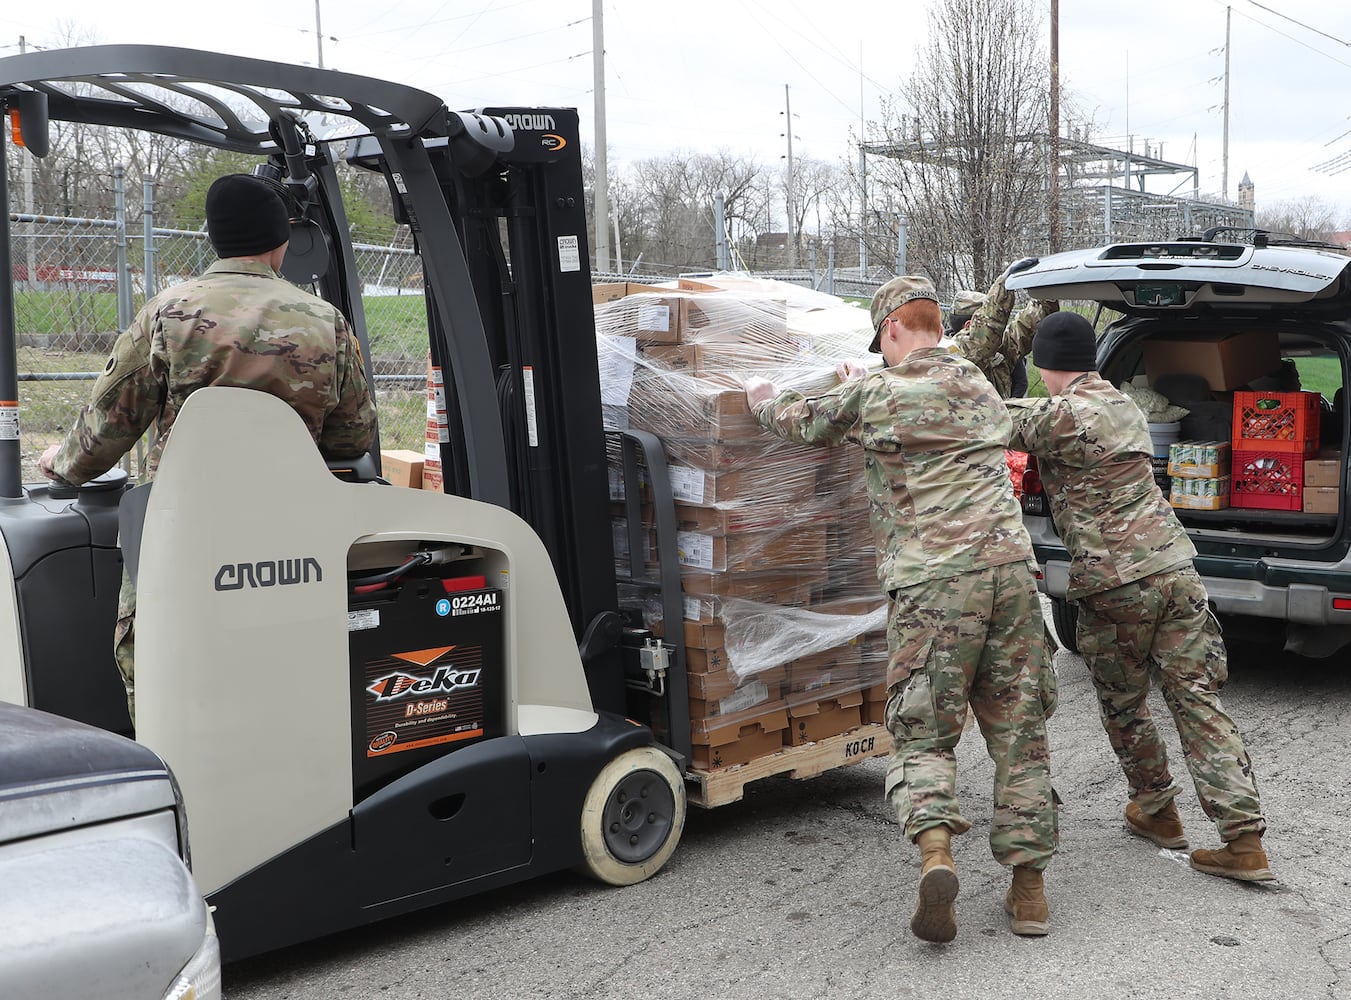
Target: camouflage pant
(124,640)
(1161,628)
(972,639)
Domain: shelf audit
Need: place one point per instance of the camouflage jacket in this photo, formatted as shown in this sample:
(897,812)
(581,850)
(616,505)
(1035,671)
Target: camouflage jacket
(993,344)
(933,434)
(239,324)
(1093,451)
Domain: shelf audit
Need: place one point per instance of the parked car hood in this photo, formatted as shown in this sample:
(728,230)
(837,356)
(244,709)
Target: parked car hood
(56,774)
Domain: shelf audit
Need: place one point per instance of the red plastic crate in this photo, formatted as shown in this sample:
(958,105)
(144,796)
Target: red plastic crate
(1266,480)
(1285,422)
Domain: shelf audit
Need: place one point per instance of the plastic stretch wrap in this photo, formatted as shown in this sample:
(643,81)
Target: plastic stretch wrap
(784,620)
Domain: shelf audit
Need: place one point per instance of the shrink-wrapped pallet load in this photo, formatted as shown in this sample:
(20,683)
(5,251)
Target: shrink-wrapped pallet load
(783,615)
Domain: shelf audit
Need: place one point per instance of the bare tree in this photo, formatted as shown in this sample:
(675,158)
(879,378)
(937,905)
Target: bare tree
(1308,217)
(669,201)
(965,153)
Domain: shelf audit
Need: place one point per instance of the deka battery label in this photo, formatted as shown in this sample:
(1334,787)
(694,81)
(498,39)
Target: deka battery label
(416,698)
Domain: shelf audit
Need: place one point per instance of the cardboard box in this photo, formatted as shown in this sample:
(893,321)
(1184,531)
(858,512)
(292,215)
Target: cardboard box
(789,589)
(820,720)
(615,290)
(875,704)
(771,482)
(701,635)
(1321,499)
(721,359)
(753,694)
(646,313)
(761,516)
(723,683)
(715,456)
(402,467)
(1325,470)
(1225,363)
(683,406)
(1183,502)
(835,669)
(735,740)
(735,317)
(803,548)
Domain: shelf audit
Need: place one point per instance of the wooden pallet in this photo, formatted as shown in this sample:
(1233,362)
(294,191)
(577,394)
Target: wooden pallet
(718,788)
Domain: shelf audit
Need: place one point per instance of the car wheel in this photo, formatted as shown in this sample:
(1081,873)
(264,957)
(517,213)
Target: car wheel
(1065,616)
(632,817)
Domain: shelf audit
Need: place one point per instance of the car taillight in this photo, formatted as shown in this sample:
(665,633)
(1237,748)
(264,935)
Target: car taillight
(1031,477)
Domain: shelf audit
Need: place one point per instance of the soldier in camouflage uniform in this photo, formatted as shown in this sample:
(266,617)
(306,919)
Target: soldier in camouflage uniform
(980,323)
(964,306)
(965,622)
(1143,610)
(239,324)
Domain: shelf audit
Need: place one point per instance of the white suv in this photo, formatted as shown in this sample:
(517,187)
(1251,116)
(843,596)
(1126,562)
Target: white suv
(1203,322)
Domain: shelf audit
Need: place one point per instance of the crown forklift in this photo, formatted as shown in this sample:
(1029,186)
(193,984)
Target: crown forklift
(373,699)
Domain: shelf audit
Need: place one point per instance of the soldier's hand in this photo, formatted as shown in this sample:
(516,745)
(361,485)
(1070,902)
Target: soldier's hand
(45,461)
(758,390)
(1021,265)
(850,369)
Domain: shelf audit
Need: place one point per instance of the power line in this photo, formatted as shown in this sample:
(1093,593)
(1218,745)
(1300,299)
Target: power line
(1306,27)
(1277,31)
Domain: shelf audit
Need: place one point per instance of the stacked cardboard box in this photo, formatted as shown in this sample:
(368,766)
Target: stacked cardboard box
(1323,482)
(764,526)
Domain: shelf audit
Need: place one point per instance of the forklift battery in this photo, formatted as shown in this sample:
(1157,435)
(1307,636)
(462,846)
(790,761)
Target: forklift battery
(427,675)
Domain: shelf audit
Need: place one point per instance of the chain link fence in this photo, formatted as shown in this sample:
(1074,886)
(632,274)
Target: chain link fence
(78,282)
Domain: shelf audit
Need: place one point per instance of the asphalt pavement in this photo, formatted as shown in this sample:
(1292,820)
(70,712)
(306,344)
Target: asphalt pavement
(804,890)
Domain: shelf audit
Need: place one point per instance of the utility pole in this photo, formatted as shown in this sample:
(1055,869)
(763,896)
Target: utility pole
(319,34)
(602,180)
(1055,128)
(862,179)
(788,131)
(1224,182)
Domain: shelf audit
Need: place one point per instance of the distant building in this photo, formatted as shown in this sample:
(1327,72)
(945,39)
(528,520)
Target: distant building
(1247,194)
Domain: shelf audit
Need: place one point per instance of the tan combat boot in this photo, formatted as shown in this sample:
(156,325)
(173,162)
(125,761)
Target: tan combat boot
(935,917)
(1026,904)
(1163,827)
(1242,858)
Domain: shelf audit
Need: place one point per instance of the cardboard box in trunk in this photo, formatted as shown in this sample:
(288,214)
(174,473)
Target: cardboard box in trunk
(1324,470)
(1225,363)
(1321,499)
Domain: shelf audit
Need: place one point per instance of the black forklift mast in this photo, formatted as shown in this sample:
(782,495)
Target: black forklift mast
(511,327)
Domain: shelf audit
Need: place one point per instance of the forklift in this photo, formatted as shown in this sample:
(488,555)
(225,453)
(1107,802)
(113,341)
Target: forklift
(372,699)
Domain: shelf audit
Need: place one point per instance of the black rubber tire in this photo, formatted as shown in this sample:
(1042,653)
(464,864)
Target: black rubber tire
(1065,616)
(632,817)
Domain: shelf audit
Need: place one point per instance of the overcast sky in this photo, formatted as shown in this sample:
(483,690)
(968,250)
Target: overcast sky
(702,75)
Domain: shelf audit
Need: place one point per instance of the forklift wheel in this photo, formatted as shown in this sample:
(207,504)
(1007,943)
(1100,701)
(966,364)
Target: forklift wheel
(632,817)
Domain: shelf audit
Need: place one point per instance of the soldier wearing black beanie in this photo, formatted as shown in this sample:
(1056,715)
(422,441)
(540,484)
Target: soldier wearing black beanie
(245,216)
(1065,342)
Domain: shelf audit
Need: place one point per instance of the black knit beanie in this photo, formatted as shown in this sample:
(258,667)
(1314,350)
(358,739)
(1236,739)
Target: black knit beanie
(245,216)
(1065,342)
